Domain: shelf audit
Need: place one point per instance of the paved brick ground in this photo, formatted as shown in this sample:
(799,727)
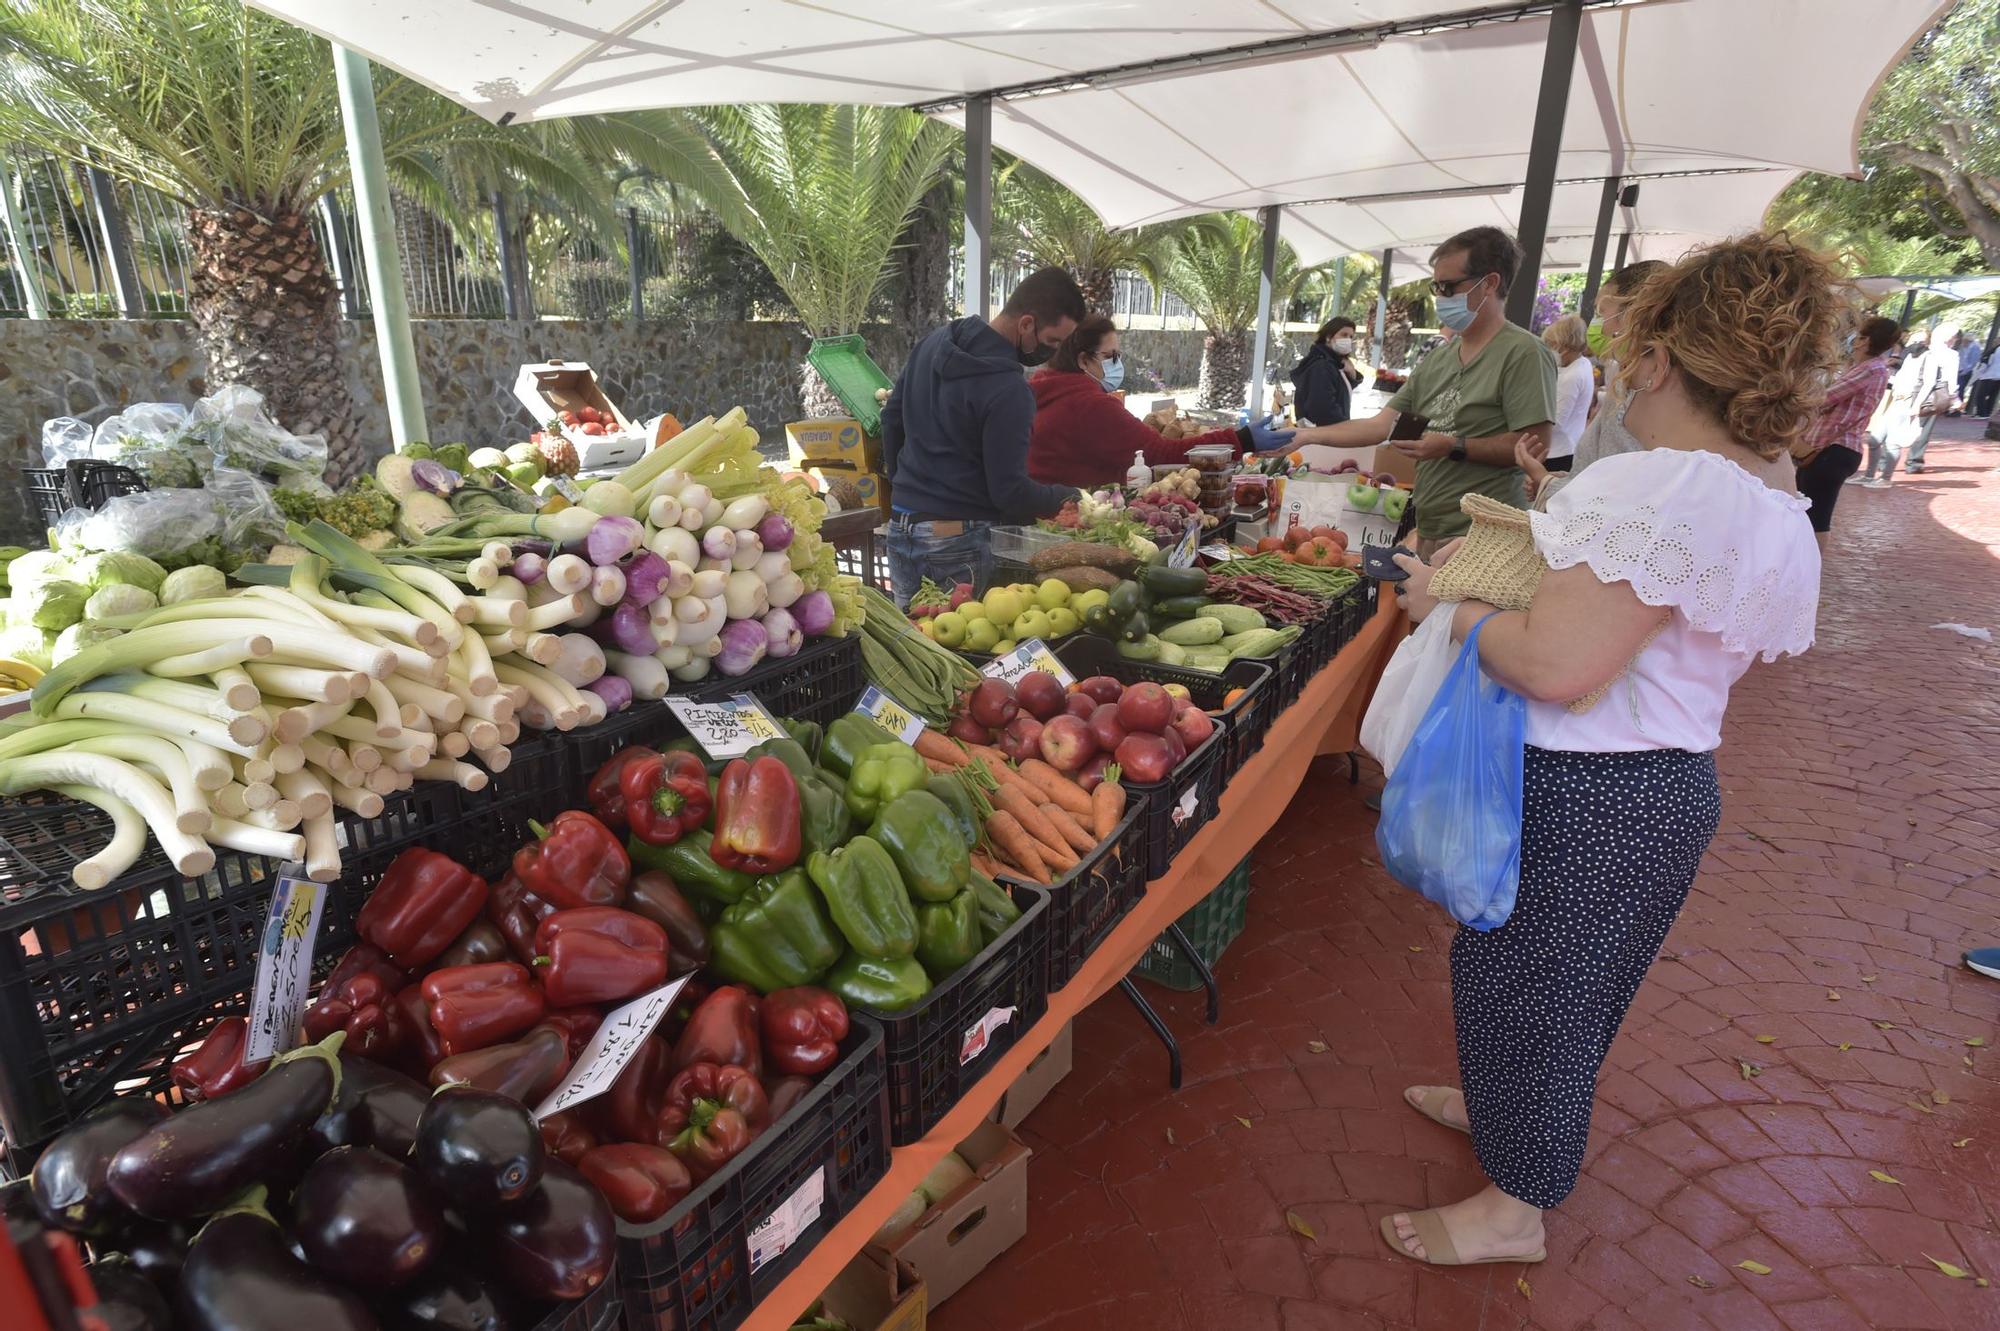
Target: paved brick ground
(1808,1024)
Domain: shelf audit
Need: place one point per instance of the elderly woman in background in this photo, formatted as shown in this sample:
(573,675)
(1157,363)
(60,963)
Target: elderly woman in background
(1606,435)
(1576,385)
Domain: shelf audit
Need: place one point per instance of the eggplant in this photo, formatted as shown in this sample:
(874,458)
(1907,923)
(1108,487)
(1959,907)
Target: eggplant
(197,1160)
(558,1241)
(68,1179)
(376,1106)
(126,1300)
(366,1219)
(477,1149)
(157,1247)
(448,1297)
(240,1276)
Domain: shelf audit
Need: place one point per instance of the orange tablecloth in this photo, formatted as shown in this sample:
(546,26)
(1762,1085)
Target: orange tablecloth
(1324,720)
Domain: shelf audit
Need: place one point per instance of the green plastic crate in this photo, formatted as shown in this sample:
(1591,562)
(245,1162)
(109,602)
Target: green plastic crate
(853,376)
(1212,925)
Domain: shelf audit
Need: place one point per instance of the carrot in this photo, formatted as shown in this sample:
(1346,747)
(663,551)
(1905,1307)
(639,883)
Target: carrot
(938,768)
(1056,787)
(1107,806)
(1013,841)
(1030,813)
(1072,830)
(941,749)
(995,762)
(989,866)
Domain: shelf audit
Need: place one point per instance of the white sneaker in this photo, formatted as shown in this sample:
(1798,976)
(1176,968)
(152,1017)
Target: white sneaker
(1876,485)
(1855,480)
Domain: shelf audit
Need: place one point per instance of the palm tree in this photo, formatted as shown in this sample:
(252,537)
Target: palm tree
(1215,265)
(821,194)
(1039,217)
(235,115)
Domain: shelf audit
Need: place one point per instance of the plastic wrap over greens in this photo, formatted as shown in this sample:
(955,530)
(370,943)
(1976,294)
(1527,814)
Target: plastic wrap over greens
(251,520)
(171,527)
(242,438)
(64,439)
(153,439)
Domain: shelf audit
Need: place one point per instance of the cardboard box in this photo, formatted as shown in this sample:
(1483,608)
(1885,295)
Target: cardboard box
(874,486)
(838,439)
(982,1218)
(1321,501)
(1034,1085)
(878,1292)
(555,386)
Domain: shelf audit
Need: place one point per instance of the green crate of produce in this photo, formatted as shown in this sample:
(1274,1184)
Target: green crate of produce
(853,376)
(1212,925)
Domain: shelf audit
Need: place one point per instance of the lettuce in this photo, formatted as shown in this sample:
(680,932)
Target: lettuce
(115,568)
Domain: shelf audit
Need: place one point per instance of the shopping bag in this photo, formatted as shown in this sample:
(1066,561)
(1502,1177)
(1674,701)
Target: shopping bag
(1403,694)
(1451,815)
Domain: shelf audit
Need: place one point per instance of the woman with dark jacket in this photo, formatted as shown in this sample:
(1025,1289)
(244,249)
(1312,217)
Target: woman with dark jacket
(1324,382)
(1083,434)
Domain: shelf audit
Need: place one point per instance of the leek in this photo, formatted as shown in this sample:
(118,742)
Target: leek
(128,838)
(191,813)
(190,855)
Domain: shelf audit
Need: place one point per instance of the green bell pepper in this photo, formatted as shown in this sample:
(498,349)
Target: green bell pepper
(881,773)
(955,797)
(932,855)
(886,986)
(689,744)
(691,867)
(948,934)
(997,911)
(823,818)
(866,898)
(807,733)
(845,741)
(776,937)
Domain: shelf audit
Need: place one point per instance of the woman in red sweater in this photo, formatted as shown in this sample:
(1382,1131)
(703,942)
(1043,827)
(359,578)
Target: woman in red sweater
(1084,436)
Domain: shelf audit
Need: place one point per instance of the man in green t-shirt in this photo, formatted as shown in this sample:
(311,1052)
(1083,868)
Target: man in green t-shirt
(1479,396)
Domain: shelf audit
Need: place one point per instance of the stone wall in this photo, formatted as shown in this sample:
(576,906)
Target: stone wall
(94,368)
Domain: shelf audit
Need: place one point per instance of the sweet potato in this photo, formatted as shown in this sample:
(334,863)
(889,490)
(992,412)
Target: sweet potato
(1069,554)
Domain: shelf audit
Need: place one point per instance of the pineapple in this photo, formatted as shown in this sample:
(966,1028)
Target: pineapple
(558,455)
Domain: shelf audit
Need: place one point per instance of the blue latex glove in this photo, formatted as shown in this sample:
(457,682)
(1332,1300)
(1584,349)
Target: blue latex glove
(1267,436)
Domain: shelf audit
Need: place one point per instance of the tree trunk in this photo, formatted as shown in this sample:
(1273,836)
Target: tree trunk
(816,397)
(1396,336)
(923,270)
(267,314)
(1225,369)
(1099,288)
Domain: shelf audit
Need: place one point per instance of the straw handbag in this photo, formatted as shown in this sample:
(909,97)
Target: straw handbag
(1498,564)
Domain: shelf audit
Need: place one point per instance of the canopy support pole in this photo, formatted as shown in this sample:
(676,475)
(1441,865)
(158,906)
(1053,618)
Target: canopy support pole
(1909,307)
(632,264)
(978,206)
(1339,288)
(1599,240)
(1381,313)
(1558,59)
(375,220)
(1993,329)
(1266,279)
(335,219)
(1624,243)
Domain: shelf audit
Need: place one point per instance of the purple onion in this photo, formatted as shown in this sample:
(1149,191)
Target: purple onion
(610,539)
(645,576)
(615,691)
(775,531)
(719,543)
(784,632)
(628,629)
(744,644)
(814,613)
(528,568)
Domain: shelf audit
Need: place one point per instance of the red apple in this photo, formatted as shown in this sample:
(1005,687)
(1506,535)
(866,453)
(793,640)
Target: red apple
(1080,704)
(1176,745)
(1105,729)
(965,728)
(1022,739)
(1102,688)
(1040,694)
(1092,775)
(1066,743)
(1193,725)
(1146,706)
(1145,759)
(992,703)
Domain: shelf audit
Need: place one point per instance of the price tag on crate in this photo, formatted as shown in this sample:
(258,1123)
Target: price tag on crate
(1034,654)
(618,1037)
(891,715)
(1182,555)
(979,1035)
(726,729)
(1219,552)
(567,488)
(284,967)
(788,1224)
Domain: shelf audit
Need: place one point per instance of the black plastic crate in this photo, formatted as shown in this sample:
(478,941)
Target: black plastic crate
(587,748)
(940,1047)
(817,684)
(1247,718)
(48,487)
(599,1310)
(83,483)
(1211,924)
(1178,807)
(488,826)
(100,990)
(696,1268)
(1086,903)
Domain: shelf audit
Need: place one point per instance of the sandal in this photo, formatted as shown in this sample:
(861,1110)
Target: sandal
(1437,1243)
(1431,1105)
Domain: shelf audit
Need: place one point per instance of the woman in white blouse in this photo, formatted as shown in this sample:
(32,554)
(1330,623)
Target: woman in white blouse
(1670,571)
(1576,385)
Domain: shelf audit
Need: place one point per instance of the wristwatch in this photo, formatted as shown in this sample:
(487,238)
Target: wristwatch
(1457,453)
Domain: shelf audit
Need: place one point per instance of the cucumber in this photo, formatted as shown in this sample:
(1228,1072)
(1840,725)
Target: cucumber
(1146,649)
(1235,618)
(1172,654)
(1171,582)
(1181,607)
(1193,632)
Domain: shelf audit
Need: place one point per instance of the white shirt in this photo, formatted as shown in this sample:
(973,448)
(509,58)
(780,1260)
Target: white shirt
(1574,387)
(1733,559)
(1991,368)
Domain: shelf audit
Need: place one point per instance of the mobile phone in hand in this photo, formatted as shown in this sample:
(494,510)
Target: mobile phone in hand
(1378,561)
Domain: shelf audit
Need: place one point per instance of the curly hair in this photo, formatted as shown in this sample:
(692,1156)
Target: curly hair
(1754,326)
(1083,342)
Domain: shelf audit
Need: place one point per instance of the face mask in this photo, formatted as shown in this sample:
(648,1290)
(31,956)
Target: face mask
(1342,346)
(1114,373)
(1033,354)
(1456,312)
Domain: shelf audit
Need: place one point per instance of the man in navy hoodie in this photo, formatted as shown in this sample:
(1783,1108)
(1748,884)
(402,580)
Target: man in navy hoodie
(955,436)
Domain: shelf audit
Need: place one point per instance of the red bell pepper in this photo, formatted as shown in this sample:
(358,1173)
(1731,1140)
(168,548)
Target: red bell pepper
(604,792)
(515,912)
(756,817)
(666,797)
(575,861)
(421,1047)
(215,1067)
(599,954)
(628,1111)
(525,1070)
(379,1032)
(803,1029)
(567,1137)
(655,896)
(786,1092)
(363,975)
(641,1182)
(472,1007)
(481,942)
(732,1088)
(715,1135)
(423,902)
(723,1030)
(577,1024)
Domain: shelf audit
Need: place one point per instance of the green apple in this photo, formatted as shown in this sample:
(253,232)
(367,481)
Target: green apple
(949,629)
(981,634)
(1083,601)
(524,474)
(1004,646)
(972,610)
(1004,605)
(1053,593)
(1393,504)
(1063,621)
(1033,624)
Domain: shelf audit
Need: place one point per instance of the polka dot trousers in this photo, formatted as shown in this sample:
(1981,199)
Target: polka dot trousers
(1609,847)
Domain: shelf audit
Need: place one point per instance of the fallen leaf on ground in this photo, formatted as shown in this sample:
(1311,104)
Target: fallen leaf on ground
(1881,1177)
(1244,1121)
(1962,1143)
(1299,1226)
(1975,1042)
(1316,1046)
(1699,1283)
(1170,1136)
(1747,1070)
(1416,949)
(1845,1046)
(1521,1283)
(1955,1272)
(1885,1025)
(1767,1039)
(1870,979)
(1940,1098)
(1754,1268)
(1833,995)
(1918,1105)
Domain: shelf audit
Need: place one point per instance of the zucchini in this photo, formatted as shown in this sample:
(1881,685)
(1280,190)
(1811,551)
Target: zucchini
(1214,659)
(1171,653)
(1181,607)
(1235,618)
(1258,642)
(1169,582)
(1135,628)
(1146,648)
(1193,632)
(1126,601)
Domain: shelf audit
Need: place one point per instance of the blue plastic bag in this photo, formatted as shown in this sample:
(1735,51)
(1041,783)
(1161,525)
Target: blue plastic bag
(1451,814)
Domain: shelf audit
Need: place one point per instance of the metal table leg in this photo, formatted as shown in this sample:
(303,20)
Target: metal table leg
(1208,984)
(1159,1029)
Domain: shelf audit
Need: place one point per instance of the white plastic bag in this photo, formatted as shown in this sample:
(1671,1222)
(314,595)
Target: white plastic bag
(1404,694)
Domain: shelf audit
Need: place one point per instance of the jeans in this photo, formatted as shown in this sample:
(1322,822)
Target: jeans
(1983,394)
(915,553)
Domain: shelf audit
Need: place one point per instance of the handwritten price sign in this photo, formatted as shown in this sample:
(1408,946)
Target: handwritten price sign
(284,967)
(891,715)
(1034,654)
(1182,555)
(612,1047)
(726,729)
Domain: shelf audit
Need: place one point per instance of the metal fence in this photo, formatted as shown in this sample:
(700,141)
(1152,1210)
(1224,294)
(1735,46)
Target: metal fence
(1132,296)
(94,247)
